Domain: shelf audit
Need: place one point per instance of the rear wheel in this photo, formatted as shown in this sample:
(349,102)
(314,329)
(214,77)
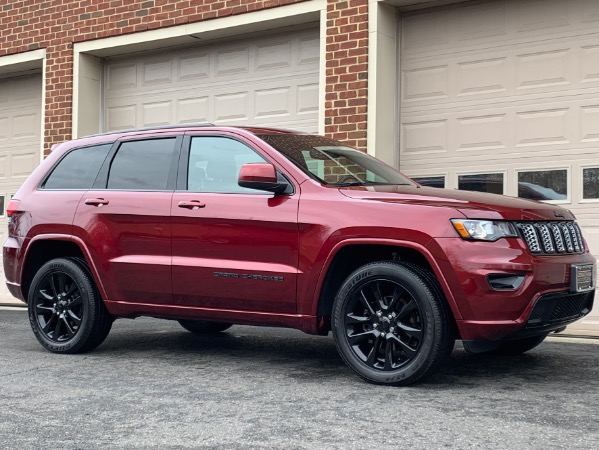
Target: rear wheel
(391,324)
(519,346)
(66,312)
(204,327)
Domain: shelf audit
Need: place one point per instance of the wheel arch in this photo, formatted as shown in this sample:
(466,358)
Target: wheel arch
(350,254)
(43,248)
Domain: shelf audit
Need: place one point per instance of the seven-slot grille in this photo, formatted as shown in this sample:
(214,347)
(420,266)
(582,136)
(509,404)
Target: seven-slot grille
(552,237)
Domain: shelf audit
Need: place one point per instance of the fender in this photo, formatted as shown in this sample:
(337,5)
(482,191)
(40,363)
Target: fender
(79,243)
(396,243)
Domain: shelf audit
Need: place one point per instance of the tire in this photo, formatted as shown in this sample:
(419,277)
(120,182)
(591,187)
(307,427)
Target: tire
(391,324)
(204,327)
(519,346)
(66,312)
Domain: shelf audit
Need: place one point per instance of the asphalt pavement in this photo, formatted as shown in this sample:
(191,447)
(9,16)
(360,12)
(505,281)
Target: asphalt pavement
(153,385)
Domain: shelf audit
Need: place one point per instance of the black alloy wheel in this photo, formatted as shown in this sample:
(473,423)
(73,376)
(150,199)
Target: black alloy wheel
(384,324)
(390,323)
(66,312)
(58,307)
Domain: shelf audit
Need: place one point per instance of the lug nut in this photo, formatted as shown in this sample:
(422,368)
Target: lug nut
(375,326)
(392,330)
(379,314)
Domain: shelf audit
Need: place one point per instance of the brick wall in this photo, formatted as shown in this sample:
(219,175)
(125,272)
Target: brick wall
(57,24)
(347,71)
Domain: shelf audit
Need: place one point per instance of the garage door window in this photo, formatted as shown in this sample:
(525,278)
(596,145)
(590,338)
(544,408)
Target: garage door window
(482,182)
(438,182)
(543,185)
(590,183)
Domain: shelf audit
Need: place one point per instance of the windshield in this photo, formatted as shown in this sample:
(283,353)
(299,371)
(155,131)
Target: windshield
(332,163)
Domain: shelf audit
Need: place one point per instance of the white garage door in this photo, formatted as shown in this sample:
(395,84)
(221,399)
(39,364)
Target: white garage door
(503,96)
(20,128)
(269,81)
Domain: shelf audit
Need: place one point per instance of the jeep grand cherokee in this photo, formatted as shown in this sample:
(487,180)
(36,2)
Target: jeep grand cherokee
(214,226)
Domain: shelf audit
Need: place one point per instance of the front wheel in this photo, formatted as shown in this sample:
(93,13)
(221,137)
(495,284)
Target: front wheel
(66,312)
(391,324)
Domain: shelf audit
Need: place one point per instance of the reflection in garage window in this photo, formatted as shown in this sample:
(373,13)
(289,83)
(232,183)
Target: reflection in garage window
(543,184)
(483,182)
(2,205)
(590,183)
(438,182)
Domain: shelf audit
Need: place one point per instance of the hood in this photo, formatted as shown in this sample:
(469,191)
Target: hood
(474,205)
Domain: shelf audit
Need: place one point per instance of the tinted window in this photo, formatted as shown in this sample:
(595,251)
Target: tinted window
(142,165)
(543,184)
(332,162)
(484,182)
(78,169)
(590,180)
(214,164)
(438,182)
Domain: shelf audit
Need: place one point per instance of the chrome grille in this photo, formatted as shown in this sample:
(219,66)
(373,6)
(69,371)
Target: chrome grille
(551,238)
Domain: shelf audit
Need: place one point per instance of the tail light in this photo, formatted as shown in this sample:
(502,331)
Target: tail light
(12,207)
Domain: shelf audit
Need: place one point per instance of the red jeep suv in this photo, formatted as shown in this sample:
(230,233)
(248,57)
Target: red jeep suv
(214,226)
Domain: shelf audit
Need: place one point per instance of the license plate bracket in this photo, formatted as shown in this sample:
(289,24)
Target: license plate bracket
(582,278)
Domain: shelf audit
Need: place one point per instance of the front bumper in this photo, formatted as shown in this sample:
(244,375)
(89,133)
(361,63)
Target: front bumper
(540,304)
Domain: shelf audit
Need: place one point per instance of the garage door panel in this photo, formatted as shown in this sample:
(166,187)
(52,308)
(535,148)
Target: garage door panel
(531,70)
(20,129)
(569,125)
(121,116)
(157,72)
(510,88)
(121,76)
(157,113)
(477,25)
(194,68)
(270,80)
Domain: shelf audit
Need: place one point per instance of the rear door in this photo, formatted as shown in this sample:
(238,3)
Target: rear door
(233,248)
(125,219)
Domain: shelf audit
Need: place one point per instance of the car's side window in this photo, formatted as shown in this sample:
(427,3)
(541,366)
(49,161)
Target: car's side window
(214,164)
(142,165)
(78,169)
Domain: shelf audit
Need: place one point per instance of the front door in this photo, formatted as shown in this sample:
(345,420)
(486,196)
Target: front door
(233,248)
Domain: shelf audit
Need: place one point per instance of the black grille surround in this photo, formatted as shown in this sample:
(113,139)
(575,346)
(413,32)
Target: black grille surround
(559,309)
(551,237)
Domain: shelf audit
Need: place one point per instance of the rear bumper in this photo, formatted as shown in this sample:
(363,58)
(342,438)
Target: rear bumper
(542,302)
(15,291)
(10,256)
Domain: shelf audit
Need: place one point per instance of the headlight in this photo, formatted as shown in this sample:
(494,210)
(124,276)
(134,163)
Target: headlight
(483,230)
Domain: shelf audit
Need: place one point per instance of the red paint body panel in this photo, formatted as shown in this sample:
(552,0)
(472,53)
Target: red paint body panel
(263,258)
(250,237)
(129,239)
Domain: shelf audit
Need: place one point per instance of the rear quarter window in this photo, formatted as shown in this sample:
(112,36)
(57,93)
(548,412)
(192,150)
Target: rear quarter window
(78,169)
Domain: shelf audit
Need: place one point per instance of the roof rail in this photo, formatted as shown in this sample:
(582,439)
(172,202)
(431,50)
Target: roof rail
(159,127)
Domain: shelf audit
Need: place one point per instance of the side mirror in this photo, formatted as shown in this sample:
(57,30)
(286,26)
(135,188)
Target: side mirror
(261,176)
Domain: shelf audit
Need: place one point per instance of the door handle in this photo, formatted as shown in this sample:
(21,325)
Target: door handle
(96,202)
(192,204)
